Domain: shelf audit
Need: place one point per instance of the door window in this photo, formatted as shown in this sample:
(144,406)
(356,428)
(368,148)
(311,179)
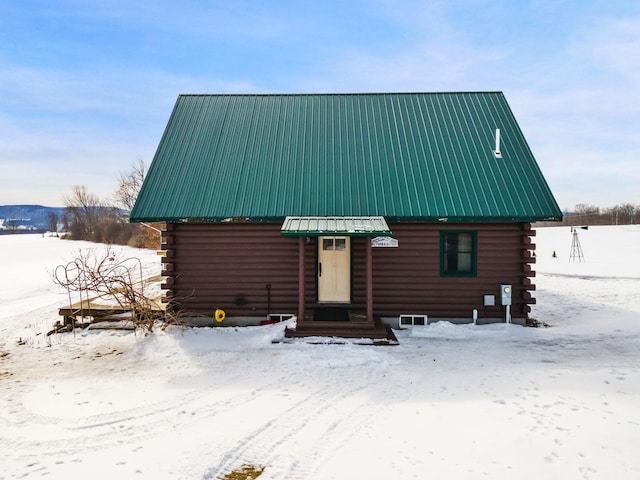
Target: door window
(334,243)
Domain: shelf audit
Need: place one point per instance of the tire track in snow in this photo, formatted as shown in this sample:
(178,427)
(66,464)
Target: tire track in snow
(97,431)
(322,421)
(260,446)
(336,435)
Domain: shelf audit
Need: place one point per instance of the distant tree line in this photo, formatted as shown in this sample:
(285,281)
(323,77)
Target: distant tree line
(88,217)
(584,214)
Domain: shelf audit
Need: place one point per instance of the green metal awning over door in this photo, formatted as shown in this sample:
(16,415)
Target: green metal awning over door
(335,226)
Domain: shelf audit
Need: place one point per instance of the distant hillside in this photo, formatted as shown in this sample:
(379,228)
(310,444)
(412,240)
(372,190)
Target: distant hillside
(20,218)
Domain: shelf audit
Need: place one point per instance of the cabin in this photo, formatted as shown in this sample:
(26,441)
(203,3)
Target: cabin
(352,212)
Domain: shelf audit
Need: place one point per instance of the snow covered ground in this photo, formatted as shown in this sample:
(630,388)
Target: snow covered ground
(496,401)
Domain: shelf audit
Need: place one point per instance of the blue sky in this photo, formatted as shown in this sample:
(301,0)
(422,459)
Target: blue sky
(86,87)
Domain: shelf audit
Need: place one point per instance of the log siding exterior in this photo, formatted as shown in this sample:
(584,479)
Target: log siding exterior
(229,265)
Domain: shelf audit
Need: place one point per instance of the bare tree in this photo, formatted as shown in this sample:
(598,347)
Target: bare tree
(93,219)
(584,209)
(584,214)
(623,213)
(52,222)
(90,218)
(129,185)
(82,209)
(65,222)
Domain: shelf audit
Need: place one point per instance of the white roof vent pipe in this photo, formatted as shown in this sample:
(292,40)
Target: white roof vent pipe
(497,153)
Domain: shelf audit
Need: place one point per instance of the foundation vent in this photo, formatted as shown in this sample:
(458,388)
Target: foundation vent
(409,321)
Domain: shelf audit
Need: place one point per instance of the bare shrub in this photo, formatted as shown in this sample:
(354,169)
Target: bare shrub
(107,277)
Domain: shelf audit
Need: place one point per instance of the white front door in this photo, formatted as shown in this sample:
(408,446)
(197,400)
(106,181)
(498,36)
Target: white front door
(334,269)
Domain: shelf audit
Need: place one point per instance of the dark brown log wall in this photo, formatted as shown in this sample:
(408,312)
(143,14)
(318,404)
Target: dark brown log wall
(406,280)
(228,265)
(211,266)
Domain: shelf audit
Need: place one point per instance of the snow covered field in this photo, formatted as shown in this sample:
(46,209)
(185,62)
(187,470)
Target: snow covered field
(495,402)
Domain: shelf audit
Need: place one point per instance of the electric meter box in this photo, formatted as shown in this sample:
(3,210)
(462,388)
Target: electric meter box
(505,294)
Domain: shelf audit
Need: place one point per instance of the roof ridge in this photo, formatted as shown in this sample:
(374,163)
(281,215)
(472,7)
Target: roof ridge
(309,94)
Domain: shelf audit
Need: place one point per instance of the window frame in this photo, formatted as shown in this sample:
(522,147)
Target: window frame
(473,272)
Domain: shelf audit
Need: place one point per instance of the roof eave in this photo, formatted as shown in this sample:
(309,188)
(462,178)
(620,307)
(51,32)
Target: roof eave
(394,219)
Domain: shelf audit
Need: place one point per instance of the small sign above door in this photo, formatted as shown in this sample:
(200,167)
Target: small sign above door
(384,242)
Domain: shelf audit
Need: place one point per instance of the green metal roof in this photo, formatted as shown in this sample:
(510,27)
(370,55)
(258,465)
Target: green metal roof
(328,226)
(404,156)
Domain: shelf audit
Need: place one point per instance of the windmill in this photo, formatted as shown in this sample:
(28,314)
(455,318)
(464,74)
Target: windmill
(576,248)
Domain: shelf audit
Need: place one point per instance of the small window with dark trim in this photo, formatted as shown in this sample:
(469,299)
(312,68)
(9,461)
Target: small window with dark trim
(458,254)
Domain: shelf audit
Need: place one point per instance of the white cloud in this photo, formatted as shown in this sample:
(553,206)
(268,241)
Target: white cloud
(64,128)
(613,44)
(572,85)
(582,119)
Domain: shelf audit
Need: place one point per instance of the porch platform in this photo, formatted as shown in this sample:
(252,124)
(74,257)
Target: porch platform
(379,334)
(340,322)
(101,312)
